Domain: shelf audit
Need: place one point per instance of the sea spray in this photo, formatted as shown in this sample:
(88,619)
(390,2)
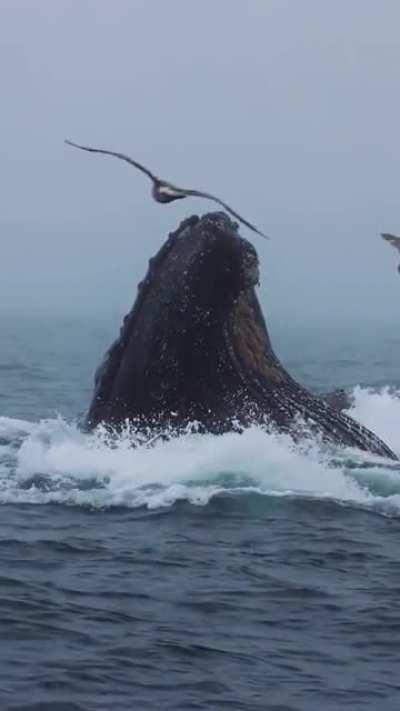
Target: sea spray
(53,461)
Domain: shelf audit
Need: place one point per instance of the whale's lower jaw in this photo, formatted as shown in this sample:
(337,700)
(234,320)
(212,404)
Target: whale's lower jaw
(195,348)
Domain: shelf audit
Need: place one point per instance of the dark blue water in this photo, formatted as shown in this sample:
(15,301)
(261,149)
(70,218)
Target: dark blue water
(236,572)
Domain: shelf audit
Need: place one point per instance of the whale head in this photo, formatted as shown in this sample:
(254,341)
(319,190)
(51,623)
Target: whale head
(173,338)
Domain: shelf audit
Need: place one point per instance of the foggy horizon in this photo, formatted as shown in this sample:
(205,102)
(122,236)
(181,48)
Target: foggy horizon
(289,113)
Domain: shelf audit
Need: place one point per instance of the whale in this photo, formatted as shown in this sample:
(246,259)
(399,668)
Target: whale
(195,348)
(339,399)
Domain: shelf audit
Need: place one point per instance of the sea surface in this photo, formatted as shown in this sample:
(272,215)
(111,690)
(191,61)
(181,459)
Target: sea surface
(232,572)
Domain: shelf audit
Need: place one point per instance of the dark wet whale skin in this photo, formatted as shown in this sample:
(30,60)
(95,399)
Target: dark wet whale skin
(195,347)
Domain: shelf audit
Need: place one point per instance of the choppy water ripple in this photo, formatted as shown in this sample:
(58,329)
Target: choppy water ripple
(200,607)
(235,572)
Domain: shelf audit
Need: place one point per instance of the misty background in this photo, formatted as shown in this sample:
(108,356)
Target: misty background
(289,111)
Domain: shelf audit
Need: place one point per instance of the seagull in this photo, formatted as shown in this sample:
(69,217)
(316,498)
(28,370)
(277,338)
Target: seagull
(394,241)
(163,191)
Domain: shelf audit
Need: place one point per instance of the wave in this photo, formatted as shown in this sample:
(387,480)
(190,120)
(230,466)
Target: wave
(52,461)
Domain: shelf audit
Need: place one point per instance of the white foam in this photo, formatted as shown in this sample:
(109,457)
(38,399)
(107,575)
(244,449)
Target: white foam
(380,412)
(10,427)
(56,462)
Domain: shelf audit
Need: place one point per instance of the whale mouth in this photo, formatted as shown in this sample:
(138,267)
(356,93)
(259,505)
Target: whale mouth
(195,348)
(183,307)
(214,258)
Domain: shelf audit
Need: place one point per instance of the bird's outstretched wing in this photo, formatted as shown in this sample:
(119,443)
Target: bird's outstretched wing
(194,193)
(392,239)
(122,156)
(199,193)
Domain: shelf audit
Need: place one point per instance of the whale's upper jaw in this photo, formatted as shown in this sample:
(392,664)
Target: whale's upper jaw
(217,250)
(219,222)
(211,224)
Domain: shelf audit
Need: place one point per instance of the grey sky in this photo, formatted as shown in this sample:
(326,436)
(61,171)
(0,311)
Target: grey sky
(288,110)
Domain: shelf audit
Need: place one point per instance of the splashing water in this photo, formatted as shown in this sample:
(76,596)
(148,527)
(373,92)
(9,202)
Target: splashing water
(54,462)
(380,412)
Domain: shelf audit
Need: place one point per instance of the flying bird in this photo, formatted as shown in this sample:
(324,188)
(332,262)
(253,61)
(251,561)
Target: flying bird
(394,241)
(163,191)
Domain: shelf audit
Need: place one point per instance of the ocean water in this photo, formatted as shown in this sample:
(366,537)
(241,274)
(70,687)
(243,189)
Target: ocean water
(239,571)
